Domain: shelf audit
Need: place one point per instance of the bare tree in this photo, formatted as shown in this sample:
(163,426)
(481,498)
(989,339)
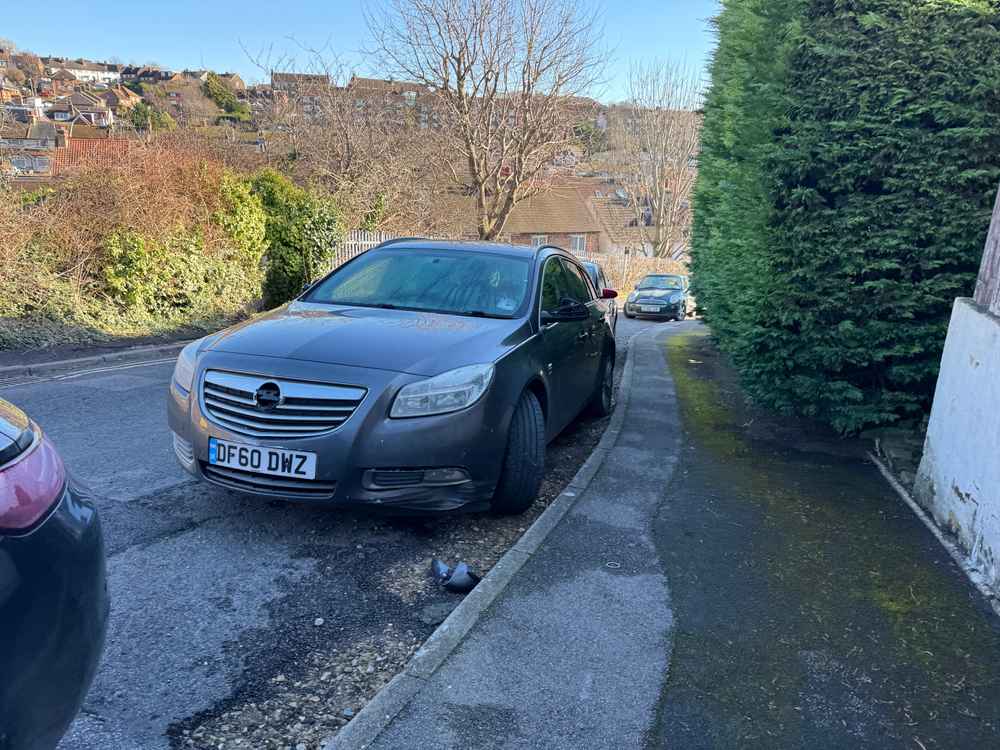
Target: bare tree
(372,153)
(508,76)
(655,139)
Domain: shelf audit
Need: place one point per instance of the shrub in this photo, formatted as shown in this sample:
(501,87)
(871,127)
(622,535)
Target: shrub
(225,99)
(302,233)
(145,118)
(844,192)
(162,240)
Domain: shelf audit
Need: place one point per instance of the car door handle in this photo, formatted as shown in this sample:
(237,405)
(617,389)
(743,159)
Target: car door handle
(583,335)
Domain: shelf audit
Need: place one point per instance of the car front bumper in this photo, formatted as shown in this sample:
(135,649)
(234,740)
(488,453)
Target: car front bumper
(673,310)
(472,440)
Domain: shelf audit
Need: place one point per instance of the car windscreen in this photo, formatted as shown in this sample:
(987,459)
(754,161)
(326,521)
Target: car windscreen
(445,281)
(661,282)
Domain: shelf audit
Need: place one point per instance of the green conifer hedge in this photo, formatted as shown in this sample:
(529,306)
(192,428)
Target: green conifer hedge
(850,160)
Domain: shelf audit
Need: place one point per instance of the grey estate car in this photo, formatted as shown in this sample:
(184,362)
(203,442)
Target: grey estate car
(419,376)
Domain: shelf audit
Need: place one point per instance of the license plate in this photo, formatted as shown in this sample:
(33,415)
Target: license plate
(276,462)
(649,308)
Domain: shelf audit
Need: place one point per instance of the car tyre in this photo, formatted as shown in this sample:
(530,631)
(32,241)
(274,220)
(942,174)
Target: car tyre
(524,462)
(602,403)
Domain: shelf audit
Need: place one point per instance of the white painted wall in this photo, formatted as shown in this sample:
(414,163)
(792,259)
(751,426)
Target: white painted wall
(959,477)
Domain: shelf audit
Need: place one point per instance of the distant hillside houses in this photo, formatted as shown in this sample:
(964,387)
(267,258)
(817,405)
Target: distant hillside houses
(84,71)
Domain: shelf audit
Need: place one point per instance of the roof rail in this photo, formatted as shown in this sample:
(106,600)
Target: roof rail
(396,240)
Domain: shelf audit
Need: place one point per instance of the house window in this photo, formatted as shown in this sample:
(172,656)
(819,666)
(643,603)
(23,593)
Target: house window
(537,240)
(578,243)
(410,97)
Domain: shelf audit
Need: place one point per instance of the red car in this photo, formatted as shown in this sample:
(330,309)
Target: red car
(53,591)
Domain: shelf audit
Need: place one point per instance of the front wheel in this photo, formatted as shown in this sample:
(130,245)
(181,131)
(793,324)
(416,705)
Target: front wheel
(524,462)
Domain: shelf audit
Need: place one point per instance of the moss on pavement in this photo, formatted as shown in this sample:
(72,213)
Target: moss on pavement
(812,608)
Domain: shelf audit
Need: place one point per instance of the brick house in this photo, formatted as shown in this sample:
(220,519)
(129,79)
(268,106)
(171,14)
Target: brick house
(82,107)
(63,82)
(405,102)
(30,147)
(8,91)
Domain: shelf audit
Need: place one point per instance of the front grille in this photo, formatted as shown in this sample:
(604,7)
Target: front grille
(261,483)
(303,409)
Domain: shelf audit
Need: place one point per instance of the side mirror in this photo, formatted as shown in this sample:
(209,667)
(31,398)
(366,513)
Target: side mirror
(568,311)
(608,294)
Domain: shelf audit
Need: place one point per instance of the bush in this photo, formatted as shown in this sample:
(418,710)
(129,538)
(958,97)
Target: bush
(303,229)
(845,189)
(225,99)
(162,240)
(143,117)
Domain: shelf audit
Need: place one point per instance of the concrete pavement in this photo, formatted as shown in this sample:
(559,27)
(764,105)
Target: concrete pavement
(573,654)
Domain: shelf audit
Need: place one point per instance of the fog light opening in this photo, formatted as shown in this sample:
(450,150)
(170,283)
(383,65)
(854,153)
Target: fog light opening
(445,476)
(388,479)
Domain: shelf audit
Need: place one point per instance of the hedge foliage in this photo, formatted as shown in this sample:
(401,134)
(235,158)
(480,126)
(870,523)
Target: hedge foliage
(225,99)
(850,160)
(303,228)
(163,241)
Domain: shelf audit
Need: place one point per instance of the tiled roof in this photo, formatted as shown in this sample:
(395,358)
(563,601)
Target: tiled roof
(83,99)
(80,152)
(40,129)
(86,65)
(85,131)
(14,131)
(386,85)
(299,78)
(559,210)
(614,215)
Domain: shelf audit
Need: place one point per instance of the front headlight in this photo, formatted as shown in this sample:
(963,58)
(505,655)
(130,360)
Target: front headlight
(449,391)
(184,369)
(632,296)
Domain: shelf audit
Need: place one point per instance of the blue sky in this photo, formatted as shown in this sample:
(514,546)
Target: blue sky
(208,33)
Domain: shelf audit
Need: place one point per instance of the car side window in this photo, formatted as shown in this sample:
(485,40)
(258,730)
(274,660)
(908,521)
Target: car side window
(579,287)
(602,283)
(554,285)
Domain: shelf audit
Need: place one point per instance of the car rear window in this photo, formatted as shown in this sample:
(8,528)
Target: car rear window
(446,281)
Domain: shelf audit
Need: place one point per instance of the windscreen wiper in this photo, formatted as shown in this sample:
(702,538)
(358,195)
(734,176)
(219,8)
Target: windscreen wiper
(481,314)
